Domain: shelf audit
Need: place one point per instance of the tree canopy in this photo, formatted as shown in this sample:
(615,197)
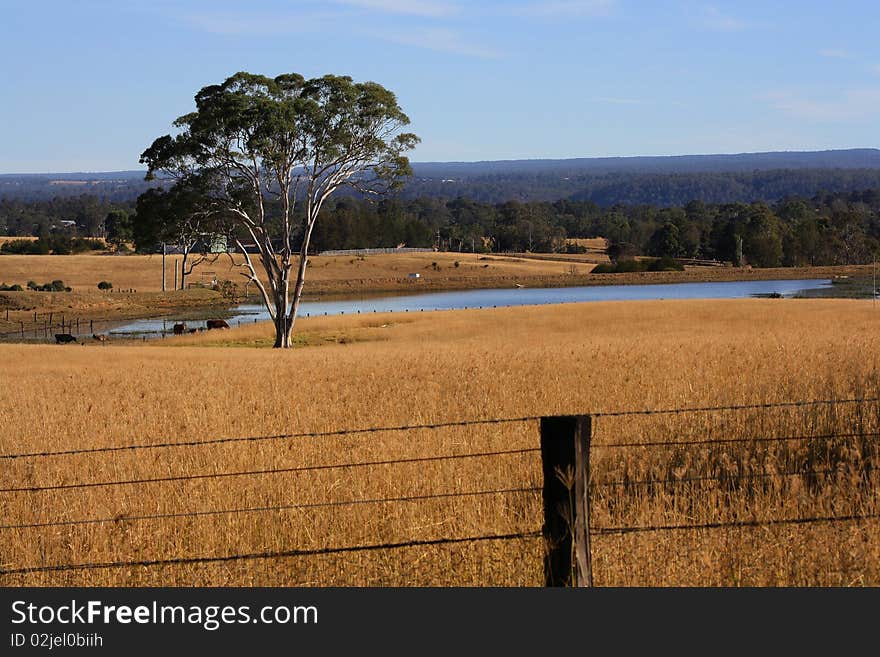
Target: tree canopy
(288,143)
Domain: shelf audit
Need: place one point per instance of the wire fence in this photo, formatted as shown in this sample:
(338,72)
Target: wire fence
(683,484)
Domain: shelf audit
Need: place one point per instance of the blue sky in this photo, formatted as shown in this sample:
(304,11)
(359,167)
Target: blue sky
(87,85)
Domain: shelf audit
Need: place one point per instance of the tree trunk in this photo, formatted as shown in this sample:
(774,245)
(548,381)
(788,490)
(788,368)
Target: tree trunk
(183,268)
(282,331)
(283,325)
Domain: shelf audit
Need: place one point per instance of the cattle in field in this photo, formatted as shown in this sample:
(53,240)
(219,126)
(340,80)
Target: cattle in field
(100,337)
(216,324)
(179,328)
(63,338)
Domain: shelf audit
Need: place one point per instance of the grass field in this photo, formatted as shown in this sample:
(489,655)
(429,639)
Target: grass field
(144,273)
(387,370)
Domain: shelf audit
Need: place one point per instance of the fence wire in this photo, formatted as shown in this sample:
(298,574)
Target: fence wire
(270,555)
(597,531)
(280,436)
(280,507)
(267,471)
(722,441)
(604,531)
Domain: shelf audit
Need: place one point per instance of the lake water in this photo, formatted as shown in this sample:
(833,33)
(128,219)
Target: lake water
(435,301)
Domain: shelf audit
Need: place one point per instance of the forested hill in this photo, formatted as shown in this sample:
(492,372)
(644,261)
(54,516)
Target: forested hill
(662,181)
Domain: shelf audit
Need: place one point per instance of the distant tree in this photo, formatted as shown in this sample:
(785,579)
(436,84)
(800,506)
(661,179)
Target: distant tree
(665,242)
(295,141)
(180,218)
(762,240)
(118,227)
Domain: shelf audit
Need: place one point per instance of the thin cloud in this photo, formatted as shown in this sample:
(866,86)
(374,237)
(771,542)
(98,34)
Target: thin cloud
(423,8)
(565,8)
(849,105)
(834,53)
(714,19)
(440,40)
(251,24)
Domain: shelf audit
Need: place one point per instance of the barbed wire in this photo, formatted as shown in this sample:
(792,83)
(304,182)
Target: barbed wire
(737,407)
(271,555)
(427,426)
(719,478)
(600,531)
(280,436)
(246,473)
(280,507)
(748,439)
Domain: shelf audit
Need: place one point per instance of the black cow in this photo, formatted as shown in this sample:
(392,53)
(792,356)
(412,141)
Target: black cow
(63,338)
(216,324)
(179,328)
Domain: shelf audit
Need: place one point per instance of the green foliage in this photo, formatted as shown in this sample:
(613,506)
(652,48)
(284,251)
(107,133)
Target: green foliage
(629,265)
(105,285)
(118,226)
(10,288)
(50,244)
(54,286)
(25,247)
(227,289)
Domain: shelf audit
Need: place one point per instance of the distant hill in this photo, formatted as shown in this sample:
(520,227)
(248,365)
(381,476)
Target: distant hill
(659,180)
(856,158)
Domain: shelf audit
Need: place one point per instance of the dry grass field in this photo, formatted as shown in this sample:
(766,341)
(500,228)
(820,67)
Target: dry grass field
(144,273)
(390,272)
(388,370)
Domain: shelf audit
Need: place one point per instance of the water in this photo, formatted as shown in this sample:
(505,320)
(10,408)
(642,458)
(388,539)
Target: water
(433,301)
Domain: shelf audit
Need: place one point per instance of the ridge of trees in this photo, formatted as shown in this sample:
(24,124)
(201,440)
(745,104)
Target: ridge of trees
(823,229)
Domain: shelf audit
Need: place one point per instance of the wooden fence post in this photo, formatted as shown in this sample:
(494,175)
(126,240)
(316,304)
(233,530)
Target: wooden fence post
(565,454)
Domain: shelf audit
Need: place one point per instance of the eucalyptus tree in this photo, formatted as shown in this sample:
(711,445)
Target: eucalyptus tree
(287,143)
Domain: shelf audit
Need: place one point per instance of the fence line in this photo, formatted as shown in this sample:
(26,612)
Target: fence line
(720,441)
(737,407)
(272,555)
(281,507)
(270,471)
(721,478)
(280,436)
(441,425)
(600,531)
(565,447)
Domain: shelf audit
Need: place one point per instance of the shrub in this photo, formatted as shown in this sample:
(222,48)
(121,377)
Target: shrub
(25,247)
(105,285)
(54,286)
(646,264)
(10,288)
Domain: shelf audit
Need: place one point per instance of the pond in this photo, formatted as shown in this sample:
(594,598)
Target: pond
(492,298)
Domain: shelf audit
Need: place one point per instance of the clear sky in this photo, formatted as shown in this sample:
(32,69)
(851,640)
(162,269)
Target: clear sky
(88,84)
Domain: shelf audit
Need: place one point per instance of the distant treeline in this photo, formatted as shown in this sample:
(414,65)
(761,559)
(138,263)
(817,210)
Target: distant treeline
(661,189)
(825,228)
(44,217)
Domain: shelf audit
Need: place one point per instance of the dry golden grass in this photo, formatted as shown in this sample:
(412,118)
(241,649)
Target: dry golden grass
(6,238)
(386,370)
(144,273)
